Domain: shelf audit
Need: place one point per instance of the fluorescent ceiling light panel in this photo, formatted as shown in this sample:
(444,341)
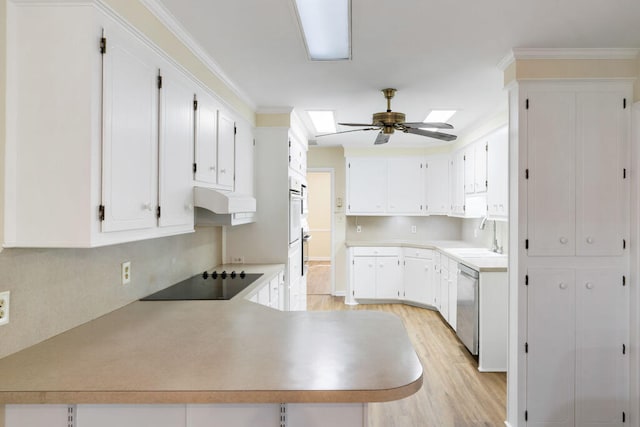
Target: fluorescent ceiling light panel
(323,121)
(326,27)
(439,116)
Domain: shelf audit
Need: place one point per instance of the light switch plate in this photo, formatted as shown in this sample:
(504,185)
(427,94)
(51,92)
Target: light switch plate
(4,307)
(126,272)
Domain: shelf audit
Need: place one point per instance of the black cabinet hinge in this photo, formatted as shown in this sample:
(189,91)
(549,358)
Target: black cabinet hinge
(101,212)
(624,417)
(624,349)
(486,184)
(195,167)
(158,212)
(624,103)
(159,81)
(486,147)
(526,243)
(195,105)
(103,45)
(526,280)
(526,415)
(464,158)
(289,143)
(624,280)
(526,347)
(235,130)
(526,174)
(624,244)
(349,165)
(624,173)
(526,104)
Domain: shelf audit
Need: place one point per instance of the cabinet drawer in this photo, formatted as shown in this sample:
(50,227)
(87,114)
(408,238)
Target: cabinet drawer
(375,251)
(417,253)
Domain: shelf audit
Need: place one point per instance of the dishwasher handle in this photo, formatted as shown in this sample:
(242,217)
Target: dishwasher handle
(468,271)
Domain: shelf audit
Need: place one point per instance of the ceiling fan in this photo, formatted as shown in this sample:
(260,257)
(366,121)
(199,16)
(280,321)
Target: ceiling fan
(389,121)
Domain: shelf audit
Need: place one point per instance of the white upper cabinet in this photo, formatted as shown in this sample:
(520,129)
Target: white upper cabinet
(480,166)
(577,182)
(405,185)
(226,150)
(206,138)
(437,188)
(456,183)
(130,130)
(366,185)
(176,150)
(498,174)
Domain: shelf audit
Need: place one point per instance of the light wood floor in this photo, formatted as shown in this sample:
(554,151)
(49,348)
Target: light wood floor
(319,278)
(454,393)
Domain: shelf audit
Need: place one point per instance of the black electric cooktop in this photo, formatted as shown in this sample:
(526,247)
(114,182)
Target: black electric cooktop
(206,286)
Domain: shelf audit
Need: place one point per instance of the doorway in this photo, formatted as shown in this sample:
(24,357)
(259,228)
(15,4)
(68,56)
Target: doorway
(320,279)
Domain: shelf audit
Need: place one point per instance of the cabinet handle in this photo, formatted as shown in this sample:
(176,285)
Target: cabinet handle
(564,240)
(147,207)
(589,285)
(563,285)
(589,240)
(212,168)
(223,171)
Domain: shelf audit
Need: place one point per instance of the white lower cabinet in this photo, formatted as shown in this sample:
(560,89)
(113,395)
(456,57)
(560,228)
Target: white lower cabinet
(453,292)
(577,369)
(417,275)
(444,287)
(376,273)
(190,415)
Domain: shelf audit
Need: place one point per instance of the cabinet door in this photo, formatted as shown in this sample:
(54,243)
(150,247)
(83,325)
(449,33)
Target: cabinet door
(157,415)
(498,174)
(435,280)
(176,150)
(437,175)
(206,139)
(417,272)
(444,288)
(469,167)
(364,277)
(551,162)
(35,415)
(388,277)
(480,167)
(551,347)
(226,150)
(367,185)
(601,329)
(130,131)
(601,193)
(453,293)
(405,185)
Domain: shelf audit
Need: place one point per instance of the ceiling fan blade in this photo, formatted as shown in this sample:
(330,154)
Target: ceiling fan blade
(430,134)
(345,131)
(423,125)
(382,138)
(356,124)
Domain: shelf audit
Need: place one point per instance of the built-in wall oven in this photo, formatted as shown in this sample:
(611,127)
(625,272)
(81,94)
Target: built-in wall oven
(467,320)
(295,210)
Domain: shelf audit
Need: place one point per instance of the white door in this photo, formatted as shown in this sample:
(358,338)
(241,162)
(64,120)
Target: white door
(130,134)
(206,139)
(388,277)
(405,185)
(437,176)
(415,277)
(601,190)
(367,185)
(551,163)
(226,150)
(176,150)
(364,277)
(601,330)
(551,348)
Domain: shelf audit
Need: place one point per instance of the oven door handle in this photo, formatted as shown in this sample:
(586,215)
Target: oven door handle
(306,237)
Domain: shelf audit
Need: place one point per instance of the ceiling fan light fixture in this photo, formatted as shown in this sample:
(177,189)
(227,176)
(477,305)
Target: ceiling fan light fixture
(323,121)
(326,28)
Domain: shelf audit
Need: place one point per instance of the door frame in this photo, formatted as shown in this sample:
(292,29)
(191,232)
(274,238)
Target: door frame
(332,258)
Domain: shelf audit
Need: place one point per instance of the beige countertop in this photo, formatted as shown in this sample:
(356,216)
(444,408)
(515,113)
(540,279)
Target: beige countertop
(487,262)
(218,351)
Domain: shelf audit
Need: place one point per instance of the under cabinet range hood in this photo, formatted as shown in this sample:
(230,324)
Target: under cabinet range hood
(222,207)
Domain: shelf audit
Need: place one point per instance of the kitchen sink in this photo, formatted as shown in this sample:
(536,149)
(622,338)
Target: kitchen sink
(474,253)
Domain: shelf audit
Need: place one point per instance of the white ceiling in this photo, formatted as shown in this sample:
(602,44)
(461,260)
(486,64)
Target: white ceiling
(439,54)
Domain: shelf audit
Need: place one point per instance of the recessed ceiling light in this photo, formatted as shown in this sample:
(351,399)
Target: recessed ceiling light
(439,116)
(323,121)
(326,28)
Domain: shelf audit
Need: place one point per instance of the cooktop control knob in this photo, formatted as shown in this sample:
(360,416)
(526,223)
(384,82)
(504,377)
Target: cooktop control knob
(242,274)
(205,275)
(214,275)
(223,274)
(233,274)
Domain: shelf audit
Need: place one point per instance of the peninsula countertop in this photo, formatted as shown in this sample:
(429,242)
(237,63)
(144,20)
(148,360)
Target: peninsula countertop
(218,351)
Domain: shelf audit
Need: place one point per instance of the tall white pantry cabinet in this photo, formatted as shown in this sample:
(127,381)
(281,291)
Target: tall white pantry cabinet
(571,155)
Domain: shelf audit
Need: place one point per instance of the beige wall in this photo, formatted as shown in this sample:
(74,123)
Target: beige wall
(53,290)
(333,157)
(386,228)
(320,214)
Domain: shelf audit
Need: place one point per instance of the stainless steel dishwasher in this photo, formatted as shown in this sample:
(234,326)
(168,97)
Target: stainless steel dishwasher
(467,304)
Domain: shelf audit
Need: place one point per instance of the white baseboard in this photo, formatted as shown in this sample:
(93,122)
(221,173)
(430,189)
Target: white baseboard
(506,423)
(320,258)
(340,293)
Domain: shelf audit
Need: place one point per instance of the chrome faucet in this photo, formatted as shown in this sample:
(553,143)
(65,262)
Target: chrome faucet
(494,246)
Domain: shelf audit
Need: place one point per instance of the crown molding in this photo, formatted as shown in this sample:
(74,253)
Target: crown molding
(172,24)
(578,53)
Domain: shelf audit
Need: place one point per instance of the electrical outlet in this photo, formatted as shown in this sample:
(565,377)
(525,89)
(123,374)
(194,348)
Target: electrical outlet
(237,260)
(358,228)
(126,272)
(4,307)
(414,229)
